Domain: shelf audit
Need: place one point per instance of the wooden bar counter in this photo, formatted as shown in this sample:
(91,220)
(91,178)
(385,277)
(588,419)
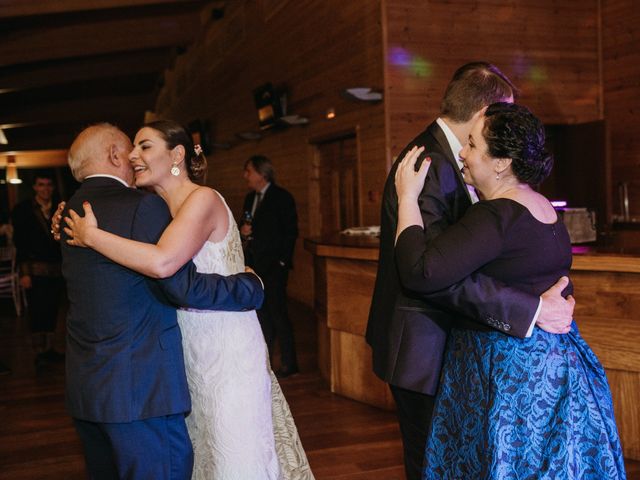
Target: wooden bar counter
(607,291)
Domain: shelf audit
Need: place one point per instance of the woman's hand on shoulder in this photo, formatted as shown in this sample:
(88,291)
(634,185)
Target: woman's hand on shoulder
(56,218)
(409,182)
(79,229)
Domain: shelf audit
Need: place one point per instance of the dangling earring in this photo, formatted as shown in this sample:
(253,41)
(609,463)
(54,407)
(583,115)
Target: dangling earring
(497,175)
(175,171)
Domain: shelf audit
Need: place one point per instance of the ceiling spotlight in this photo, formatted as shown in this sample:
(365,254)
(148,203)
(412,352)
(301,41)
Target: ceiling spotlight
(12,171)
(363,94)
(294,120)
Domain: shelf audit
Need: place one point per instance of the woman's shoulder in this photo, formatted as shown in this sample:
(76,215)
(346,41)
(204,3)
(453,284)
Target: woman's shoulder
(497,214)
(205,197)
(500,208)
(510,210)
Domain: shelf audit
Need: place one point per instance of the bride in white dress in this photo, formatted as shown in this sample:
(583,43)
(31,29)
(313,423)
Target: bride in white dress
(240,424)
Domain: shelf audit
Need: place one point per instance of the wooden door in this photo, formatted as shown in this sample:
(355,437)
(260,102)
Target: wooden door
(339,191)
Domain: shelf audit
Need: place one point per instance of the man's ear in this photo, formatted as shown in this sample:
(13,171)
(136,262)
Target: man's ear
(118,156)
(480,113)
(113,155)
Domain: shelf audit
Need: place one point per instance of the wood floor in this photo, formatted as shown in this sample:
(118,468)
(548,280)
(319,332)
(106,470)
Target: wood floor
(344,440)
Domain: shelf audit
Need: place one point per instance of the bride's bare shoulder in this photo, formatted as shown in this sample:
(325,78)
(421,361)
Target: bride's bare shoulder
(205,198)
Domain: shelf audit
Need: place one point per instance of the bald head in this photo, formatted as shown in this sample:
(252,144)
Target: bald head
(101,149)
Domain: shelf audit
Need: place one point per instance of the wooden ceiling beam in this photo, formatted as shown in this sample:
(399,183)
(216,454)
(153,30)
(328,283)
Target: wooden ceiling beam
(82,110)
(21,8)
(27,42)
(60,135)
(65,64)
(36,158)
(36,75)
(109,85)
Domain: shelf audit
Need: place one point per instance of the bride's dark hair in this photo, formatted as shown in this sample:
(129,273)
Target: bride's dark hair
(175,134)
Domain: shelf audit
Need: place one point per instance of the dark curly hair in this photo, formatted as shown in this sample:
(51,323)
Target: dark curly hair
(175,134)
(512,131)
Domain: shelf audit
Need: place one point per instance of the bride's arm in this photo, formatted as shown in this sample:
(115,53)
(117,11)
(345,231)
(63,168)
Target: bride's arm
(201,213)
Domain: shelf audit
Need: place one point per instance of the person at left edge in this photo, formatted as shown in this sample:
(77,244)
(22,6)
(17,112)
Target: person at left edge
(39,260)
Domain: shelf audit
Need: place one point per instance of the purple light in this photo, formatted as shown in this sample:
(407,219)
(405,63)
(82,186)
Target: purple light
(399,56)
(558,203)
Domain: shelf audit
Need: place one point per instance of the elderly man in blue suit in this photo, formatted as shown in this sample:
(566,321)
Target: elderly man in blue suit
(126,384)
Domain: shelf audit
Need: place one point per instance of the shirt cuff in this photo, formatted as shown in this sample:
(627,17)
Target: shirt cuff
(535,319)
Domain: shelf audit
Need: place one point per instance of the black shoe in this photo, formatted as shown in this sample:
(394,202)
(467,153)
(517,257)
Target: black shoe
(286,372)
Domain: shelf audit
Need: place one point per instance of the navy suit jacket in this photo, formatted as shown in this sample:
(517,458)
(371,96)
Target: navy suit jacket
(124,359)
(407,331)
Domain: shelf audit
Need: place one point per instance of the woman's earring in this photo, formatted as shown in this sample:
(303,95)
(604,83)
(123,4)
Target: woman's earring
(175,171)
(497,175)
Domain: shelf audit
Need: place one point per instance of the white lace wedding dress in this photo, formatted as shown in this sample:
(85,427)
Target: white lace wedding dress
(240,424)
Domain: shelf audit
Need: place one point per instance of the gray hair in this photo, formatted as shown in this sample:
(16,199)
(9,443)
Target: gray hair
(263,166)
(90,146)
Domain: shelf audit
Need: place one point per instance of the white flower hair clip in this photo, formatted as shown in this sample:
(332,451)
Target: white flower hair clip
(197,148)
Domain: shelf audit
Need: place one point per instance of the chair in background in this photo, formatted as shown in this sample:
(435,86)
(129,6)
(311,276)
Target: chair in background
(9,280)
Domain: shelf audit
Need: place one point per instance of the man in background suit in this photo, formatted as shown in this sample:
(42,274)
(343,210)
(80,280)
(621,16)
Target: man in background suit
(126,385)
(38,256)
(270,239)
(408,333)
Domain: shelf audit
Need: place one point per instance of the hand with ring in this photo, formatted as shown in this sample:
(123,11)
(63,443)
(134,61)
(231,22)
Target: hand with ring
(56,218)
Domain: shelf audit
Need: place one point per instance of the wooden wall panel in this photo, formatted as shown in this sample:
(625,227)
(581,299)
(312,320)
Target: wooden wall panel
(349,294)
(352,371)
(625,406)
(548,48)
(317,49)
(621,75)
(607,315)
(320,310)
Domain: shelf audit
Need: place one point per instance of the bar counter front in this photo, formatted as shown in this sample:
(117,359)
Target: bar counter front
(606,288)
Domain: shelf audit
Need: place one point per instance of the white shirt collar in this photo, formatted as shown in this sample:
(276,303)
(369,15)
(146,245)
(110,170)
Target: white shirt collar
(456,146)
(106,175)
(454,143)
(264,190)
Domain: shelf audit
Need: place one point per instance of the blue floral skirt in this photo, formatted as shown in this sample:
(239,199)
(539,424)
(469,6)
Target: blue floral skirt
(534,408)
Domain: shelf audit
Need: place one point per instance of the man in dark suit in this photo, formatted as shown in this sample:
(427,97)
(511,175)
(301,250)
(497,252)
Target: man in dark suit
(126,384)
(270,239)
(38,256)
(408,333)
